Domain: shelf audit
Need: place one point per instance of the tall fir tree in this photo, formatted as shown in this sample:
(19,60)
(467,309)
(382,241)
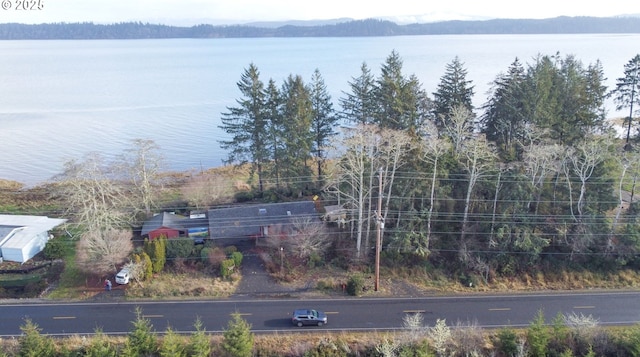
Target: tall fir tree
(565,99)
(581,100)
(389,94)
(401,102)
(504,122)
(297,113)
(359,105)
(627,91)
(324,119)
(275,129)
(246,124)
(454,90)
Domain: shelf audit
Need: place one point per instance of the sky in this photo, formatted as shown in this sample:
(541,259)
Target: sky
(191,12)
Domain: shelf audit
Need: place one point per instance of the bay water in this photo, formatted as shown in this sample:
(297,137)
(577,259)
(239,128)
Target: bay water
(61,100)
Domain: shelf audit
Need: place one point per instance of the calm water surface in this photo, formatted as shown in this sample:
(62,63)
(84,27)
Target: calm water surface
(63,99)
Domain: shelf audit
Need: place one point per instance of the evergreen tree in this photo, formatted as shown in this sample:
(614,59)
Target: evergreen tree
(156,251)
(148,266)
(396,102)
(504,122)
(100,346)
(324,119)
(359,106)
(401,104)
(627,91)
(581,100)
(388,93)
(538,336)
(246,124)
(159,253)
(297,112)
(238,338)
(565,99)
(418,108)
(141,341)
(199,342)
(454,90)
(33,343)
(172,345)
(275,119)
(540,87)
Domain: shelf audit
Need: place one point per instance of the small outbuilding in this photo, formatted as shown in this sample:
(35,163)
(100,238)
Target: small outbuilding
(22,237)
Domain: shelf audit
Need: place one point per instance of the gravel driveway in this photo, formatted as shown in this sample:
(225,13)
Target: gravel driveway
(256,282)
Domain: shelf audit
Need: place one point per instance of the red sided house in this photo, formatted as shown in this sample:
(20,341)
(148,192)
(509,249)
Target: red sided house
(164,224)
(175,226)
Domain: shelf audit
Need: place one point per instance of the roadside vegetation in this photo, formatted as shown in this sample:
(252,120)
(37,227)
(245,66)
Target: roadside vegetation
(561,335)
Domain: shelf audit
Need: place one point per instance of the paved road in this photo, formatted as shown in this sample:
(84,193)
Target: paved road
(615,308)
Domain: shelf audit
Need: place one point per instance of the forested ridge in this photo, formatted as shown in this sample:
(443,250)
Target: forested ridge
(369,27)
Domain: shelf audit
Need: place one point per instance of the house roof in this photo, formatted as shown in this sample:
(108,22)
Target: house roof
(164,219)
(17,231)
(243,221)
(173,221)
(234,222)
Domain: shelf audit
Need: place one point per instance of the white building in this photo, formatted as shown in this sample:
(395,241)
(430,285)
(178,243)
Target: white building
(22,237)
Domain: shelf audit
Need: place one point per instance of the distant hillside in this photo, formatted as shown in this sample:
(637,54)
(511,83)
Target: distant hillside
(138,30)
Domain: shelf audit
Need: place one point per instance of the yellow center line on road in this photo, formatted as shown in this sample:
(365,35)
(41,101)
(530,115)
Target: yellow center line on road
(331,312)
(152,316)
(501,309)
(64,317)
(414,311)
(584,307)
(244,314)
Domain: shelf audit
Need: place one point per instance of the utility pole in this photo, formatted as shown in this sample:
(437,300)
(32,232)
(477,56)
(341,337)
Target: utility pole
(380,226)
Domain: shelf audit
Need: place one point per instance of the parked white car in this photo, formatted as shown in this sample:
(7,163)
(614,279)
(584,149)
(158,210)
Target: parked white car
(123,277)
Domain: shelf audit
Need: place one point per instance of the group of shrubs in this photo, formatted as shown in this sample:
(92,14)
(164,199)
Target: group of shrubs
(142,340)
(158,252)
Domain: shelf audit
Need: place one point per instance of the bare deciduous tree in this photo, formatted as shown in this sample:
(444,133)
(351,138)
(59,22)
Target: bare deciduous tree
(92,195)
(433,149)
(459,127)
(478,157)
(101,251)
(143,164)
(350,180)
(367,151)
(392,151)
(308,237)
(581,162)
(136,271)
(540,161)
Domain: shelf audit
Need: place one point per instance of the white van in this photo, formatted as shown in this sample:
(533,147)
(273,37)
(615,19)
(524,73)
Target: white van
(123,276)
